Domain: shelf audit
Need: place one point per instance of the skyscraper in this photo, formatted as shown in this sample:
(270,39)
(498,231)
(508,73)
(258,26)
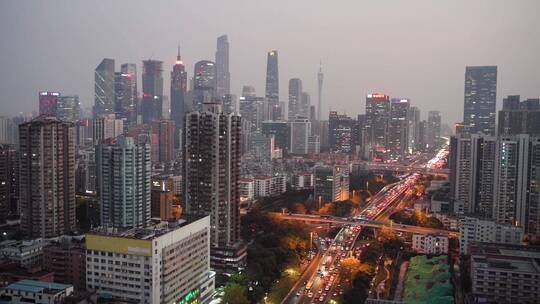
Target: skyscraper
(433,132)
(519,117)
(126,93)
(305,105)
(152,102)
(178,96)
(414,128)
(223,77)
(398,126)
(272,86)
(47,177)
(204,83)
(104,96)
(377,114)
(320,78)
(123,182)
(48,103)
(295,98)
(480,99)
(212,152)
(69,108)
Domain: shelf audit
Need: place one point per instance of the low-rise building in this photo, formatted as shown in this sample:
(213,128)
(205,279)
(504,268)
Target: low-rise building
(505,273)
(26,253)
(269,185)
(66,258)
(472,229)
(247,189)
(39,292)
(430,244)
(166,262)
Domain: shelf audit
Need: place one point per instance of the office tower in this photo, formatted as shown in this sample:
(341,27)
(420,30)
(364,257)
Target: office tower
(204,84)
(164,263)
(300,130)
(433,131)
(272,86)
(165,130)
(229,103)
(281,132)
(252,110)
(223,77)
(331,183)
(152,81)
(123,182)
(48,103)
(480,99)
(305,105)
(422,135)
(104,96)
(178,97)
(261,146)
(9,181)
(106,126)
(125,86)
(414,128)
(312,111)
(340,131)
(377,114)
(398,127)
(320,78)
(47,177)
(295,98)
(314,144)
(68,108)
(358,134)
(248,91)
(519,117)
(212,152)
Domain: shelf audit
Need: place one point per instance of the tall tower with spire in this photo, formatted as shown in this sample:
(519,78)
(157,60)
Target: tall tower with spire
(320,77)
(178,92)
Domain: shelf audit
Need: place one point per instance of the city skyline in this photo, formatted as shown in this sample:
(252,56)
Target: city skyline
(404,60)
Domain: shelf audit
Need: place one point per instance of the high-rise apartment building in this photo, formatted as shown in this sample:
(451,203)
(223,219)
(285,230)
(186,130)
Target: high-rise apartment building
(223,76)
(340,132)
(300,131)
(126,105)
(519,117)
(204,84)
(165,130)
(152,99)
(9,181)
(212,153)
(377,114)
(48,103)
(106,126)
(47,177)
(168,262)
(480,99)
(123,182)
(252,110)
(331,183)
(104,95)
(272,86)
(398,126)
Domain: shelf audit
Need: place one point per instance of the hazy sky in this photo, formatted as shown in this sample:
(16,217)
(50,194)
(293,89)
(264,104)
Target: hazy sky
(414,49)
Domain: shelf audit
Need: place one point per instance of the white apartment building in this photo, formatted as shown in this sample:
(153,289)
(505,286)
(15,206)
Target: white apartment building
(472,230)
(270,185)
(430,244)
(167,262)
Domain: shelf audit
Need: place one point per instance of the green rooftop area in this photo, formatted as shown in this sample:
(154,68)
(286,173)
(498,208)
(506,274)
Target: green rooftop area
(428,281)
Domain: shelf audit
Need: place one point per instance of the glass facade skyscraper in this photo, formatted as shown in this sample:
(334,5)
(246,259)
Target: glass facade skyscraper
(480,99)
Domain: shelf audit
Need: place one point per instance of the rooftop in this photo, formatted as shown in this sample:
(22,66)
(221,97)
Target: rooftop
(38,286)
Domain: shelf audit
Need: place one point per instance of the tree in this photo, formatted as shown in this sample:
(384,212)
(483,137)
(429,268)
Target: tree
(234,294)
(350,267)
(326,209)
(387,233)
(300,208)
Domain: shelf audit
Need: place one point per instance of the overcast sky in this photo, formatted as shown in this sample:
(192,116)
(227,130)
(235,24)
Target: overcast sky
(414,49)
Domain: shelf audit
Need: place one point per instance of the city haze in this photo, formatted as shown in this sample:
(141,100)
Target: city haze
(413,49)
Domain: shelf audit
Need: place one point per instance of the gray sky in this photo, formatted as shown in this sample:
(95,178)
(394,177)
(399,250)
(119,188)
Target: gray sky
(415,49)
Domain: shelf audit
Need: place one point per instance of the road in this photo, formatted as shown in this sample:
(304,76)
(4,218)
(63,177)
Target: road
(322,285)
